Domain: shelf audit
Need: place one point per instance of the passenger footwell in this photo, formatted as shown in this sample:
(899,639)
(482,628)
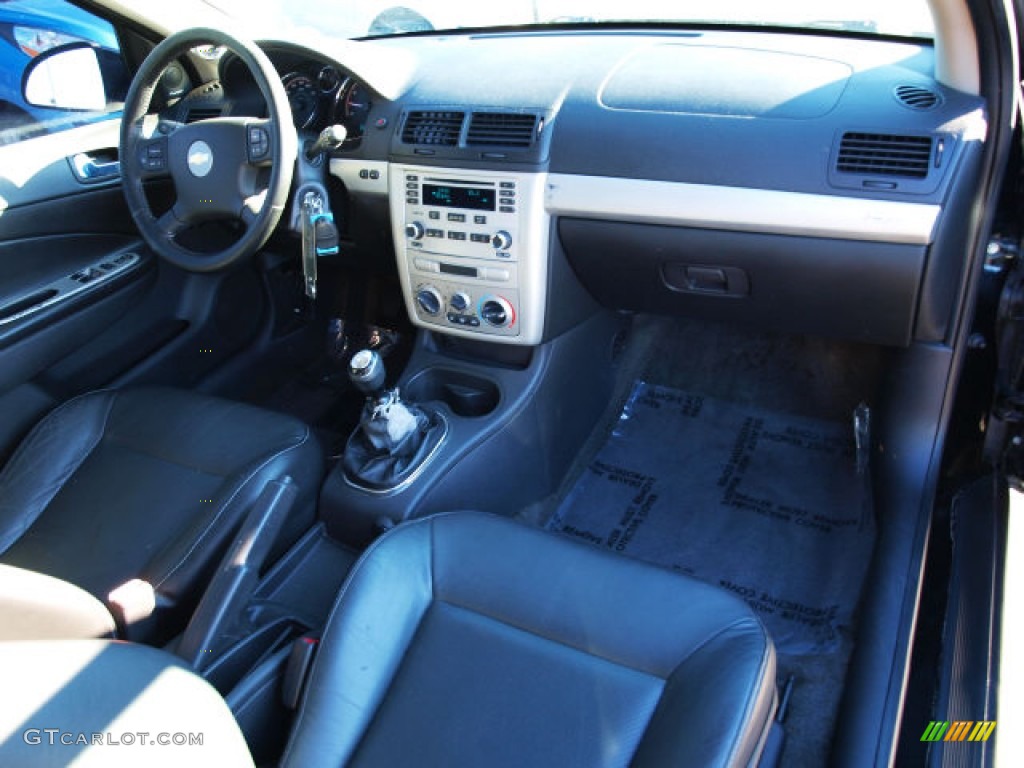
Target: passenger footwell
(767,505)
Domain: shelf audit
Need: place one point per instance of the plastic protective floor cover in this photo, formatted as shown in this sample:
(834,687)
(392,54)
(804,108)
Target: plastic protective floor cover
(768,505)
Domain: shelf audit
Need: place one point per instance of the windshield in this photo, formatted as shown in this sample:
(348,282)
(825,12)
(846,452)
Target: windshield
(373,18)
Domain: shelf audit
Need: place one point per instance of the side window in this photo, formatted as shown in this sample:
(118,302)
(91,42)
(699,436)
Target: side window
(32,30)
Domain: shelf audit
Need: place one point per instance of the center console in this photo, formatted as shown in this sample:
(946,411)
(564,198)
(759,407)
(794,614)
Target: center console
(472,249)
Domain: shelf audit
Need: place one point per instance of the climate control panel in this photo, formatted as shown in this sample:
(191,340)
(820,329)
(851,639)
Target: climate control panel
(472,250)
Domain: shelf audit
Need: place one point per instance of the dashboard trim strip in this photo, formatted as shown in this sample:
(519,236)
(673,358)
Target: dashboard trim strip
(741,209)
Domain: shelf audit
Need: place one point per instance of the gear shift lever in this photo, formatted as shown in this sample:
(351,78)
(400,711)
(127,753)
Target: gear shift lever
(393,438)
(366,371)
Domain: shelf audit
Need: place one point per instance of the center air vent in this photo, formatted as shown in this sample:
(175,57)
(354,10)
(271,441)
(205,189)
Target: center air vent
(501,129)
(875,154)
(434,128)
(917,97)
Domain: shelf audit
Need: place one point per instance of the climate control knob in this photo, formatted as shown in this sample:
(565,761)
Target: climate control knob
(497,311)
(414,230)
(429,300)
(460,301)
(501,240)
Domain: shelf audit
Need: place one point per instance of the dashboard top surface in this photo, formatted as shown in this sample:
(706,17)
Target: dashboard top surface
(762,110)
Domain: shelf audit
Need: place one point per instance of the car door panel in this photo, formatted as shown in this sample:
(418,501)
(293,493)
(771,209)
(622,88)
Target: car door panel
(65,274)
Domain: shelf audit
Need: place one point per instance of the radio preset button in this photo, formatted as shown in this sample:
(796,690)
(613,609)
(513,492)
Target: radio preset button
(456,235)
(457,217)
(476,238)
(435,233)
(479,219)
(506,209)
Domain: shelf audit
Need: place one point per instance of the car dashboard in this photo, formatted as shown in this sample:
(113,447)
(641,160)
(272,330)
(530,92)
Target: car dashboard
(802,183)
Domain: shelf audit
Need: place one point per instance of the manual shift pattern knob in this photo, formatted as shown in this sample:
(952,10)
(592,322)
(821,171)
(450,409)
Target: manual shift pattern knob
(366,371)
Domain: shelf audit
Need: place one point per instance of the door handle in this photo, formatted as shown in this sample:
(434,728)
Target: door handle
(90,168)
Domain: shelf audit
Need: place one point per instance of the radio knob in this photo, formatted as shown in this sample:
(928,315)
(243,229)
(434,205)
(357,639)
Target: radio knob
(496,311)
(414,230)
(501,240)
(460,301)
(429,299)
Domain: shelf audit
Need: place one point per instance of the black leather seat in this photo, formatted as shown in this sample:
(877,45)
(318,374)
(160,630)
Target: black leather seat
(149,484)
(469,640)
(459,640)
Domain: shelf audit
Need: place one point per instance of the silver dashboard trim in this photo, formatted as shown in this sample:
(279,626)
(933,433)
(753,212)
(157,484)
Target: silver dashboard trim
(531,267)
(740,209)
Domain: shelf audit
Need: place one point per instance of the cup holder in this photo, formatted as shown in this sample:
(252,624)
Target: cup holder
(467,395)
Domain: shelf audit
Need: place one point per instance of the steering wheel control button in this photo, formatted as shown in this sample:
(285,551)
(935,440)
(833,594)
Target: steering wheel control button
(153,155)
(429,300)
(199,158)
(259,143)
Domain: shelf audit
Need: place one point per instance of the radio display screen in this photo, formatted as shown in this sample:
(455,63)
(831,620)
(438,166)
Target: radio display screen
(475,198)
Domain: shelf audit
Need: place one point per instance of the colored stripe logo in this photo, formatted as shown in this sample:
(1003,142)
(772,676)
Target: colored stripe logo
(959,730)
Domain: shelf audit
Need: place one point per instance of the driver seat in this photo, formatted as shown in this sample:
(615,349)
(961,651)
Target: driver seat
(148,484)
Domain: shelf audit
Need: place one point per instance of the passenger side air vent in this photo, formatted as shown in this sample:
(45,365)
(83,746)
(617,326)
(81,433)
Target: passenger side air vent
(435,128)
(879,154)
(917,97)
(501,129)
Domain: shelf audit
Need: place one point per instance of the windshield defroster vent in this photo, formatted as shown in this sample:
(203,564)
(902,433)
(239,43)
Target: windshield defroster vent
(878,154)
(433,128)
(501,129)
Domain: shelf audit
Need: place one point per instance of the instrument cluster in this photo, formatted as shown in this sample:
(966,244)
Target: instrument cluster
(322,95)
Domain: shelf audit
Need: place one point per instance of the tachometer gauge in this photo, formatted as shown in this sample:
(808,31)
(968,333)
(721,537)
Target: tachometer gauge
(303,97)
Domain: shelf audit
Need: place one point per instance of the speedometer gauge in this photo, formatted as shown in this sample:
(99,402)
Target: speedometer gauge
(303,96)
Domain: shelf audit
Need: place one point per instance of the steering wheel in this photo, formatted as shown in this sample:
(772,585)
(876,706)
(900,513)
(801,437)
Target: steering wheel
(218,166)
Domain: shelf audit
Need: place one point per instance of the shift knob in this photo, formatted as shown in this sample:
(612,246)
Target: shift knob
(366,371)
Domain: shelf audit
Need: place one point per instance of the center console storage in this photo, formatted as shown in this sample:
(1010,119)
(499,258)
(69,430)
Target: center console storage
(466,394)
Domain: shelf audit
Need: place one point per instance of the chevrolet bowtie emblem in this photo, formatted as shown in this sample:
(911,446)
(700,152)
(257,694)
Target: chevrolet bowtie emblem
(200,158)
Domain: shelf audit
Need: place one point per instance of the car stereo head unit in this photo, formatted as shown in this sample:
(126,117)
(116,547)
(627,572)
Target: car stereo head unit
(472,249)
